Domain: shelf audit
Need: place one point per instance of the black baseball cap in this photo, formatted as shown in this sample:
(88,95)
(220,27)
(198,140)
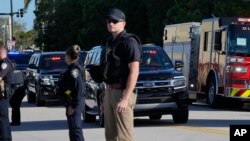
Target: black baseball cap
(116,14)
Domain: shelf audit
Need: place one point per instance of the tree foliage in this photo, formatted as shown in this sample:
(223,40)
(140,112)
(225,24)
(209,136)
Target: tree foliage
(23,39)
(82,22)
(26,3)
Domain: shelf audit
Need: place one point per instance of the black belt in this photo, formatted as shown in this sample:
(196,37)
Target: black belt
(118,86)
(115,86)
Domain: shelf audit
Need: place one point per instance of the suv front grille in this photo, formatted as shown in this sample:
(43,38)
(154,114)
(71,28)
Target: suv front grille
(158,91)
(154,100)
(155,83)
(155,78)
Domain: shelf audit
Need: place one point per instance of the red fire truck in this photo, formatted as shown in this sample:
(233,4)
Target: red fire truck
(216,56)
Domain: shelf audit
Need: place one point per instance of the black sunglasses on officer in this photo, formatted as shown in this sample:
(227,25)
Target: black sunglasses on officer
(114,21)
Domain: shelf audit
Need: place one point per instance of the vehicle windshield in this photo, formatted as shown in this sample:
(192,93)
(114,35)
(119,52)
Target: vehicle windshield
(51,62)
(20,58)
(155,58)
(239,40)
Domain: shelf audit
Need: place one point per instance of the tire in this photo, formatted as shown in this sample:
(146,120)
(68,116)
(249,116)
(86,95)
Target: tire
(39,102)
(180,116)
(155,117)
(88,118)
(101,119)
(212,98)
(31,97)
(101,114)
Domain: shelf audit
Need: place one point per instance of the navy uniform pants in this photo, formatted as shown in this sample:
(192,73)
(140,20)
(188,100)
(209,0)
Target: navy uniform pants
(15,103)
(75,124)
(5,132)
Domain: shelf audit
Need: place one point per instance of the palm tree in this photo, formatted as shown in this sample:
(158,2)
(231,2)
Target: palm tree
(26,3)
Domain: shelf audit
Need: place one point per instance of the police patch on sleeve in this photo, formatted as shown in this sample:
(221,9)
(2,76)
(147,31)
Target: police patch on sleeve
(74,73)
(4,66)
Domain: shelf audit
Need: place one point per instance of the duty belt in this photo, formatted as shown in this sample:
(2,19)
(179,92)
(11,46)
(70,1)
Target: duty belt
(118,86)
(115,86)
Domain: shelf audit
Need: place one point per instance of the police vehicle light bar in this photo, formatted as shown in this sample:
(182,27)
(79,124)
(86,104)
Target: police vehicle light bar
(13,52)
(56,58)
(244,19)
(151,52)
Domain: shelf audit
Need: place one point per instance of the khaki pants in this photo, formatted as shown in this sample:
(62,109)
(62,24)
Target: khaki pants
(119,126)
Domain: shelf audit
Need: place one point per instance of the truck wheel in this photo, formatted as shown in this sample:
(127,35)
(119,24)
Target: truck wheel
(212,98)
(88,118)
(39,102)
(155,117)
(180,116)
(31,97)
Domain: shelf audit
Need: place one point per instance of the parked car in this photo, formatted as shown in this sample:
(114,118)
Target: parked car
(42,75)
(161,88)
(21,59)
(94,90)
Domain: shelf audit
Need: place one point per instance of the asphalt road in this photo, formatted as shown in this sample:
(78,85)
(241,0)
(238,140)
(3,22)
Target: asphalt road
(205,124)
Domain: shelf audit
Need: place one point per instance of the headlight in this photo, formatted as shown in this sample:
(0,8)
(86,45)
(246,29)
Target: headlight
(179,82)
(46,79)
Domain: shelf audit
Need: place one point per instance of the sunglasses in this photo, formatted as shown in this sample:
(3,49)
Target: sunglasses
(112,21)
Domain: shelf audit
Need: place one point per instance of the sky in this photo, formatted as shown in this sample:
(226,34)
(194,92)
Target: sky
(17,4)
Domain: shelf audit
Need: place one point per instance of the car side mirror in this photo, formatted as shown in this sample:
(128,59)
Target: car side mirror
(178,64)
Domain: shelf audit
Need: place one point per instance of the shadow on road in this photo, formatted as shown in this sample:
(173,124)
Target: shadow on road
(62,124)
(205,107)
(48,125)
(191,122)
(25,104)
(138,121)
(152,123)
(217,122)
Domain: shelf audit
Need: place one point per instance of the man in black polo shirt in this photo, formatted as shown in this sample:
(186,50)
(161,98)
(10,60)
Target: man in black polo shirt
(123,59)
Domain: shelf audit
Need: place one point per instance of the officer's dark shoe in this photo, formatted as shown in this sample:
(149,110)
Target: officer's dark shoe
(15,123)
